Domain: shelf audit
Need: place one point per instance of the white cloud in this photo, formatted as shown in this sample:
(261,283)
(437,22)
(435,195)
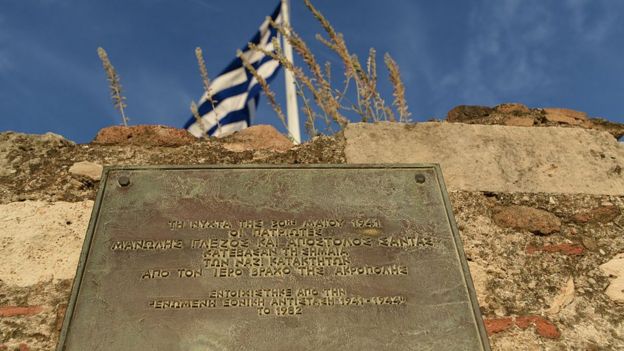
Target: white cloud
(593,20)
(5,62)
(60,67)
(514,48)
(412,55)
(207,4)
(504,55)
(159,97)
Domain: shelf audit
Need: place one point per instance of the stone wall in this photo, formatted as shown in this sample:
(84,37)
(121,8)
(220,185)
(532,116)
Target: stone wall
(47,188)
(545,254)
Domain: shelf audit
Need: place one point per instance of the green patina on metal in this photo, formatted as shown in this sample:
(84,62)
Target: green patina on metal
(354,257)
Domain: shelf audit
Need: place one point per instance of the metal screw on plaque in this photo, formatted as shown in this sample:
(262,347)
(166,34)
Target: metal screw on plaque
(420,178)
(124,180)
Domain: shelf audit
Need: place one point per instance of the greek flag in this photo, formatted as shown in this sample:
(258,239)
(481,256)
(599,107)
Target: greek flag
(236,91)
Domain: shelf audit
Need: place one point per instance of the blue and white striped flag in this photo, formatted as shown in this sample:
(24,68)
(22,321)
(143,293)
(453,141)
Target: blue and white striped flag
(236,91)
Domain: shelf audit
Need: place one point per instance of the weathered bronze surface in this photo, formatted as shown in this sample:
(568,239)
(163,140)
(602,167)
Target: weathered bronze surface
(273,258)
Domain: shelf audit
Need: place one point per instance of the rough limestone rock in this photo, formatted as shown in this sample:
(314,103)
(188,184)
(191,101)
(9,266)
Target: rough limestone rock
(567,116)
(12,156)
(497,158)
(260,137)
(519,121)
(87,169)
(467,113)
(42,169)
(41,241)
(511,114)
(605,213)
(513,108)
(563,299)
(535,292)
(148,135)
(615,269)
(519,115)
(31,317)
(616,129)
(479,280)
(525,287)
(526,218)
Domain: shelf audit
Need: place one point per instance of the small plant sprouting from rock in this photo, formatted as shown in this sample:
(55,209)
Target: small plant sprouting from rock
(265,87)
(195,112)
(398,89)
(358,95)
(203,71)
(114,84)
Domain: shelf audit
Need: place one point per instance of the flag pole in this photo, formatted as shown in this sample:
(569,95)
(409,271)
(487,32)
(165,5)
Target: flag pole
(291,95)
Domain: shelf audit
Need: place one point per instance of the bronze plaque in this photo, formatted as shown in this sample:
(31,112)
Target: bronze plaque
(273,258)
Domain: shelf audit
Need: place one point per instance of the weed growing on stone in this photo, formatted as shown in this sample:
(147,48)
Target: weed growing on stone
(114,84)
(314,84)
(203,72)
(265,87)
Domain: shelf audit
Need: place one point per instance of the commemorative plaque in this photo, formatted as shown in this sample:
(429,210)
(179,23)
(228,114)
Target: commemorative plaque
(273,258)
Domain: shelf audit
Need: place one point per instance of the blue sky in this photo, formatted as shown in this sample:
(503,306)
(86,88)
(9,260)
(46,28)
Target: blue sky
(543,53)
